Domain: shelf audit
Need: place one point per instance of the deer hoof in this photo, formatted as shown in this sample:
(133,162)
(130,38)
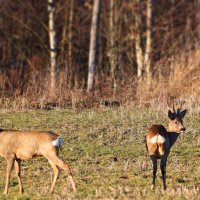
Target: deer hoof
(152,186)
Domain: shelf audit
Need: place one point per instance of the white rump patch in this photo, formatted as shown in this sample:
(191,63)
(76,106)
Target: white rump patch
(57,142)
(154,139)
(158,139)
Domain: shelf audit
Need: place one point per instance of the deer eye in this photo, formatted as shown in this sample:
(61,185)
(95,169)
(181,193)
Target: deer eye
(176,122)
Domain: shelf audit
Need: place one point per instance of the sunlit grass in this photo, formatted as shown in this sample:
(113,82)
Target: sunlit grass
(106,151)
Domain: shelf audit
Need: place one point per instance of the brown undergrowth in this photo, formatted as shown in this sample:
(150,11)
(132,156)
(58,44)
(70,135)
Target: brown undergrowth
(178,78)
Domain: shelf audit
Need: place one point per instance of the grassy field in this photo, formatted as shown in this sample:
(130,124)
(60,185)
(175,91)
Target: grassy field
(106,151)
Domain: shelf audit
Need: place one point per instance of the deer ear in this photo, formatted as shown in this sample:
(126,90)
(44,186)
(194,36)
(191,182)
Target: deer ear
(182,114)
(171,115)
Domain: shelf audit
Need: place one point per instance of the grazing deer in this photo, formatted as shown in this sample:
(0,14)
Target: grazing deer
(159,140)
(18,145)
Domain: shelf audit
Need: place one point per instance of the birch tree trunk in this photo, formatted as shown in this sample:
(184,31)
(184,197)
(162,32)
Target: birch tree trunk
(148,50)
(138,40)
(53,47)
(112,52)
(93,46)
(144,57)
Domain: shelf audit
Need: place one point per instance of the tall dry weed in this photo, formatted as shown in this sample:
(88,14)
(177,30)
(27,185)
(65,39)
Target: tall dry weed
(179,78)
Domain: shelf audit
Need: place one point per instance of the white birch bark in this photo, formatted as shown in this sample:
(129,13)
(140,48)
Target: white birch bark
(53,46)
(148,50)
(138,41)
(112,53)
(93,47)
(144,58)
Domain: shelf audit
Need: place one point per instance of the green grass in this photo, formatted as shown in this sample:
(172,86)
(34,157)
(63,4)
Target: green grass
(106,151)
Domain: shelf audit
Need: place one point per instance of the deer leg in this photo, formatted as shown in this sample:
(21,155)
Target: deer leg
(18,173)
(10,163)
(56,171)
(154,161)
(66,168)
(55,160)
(163,170)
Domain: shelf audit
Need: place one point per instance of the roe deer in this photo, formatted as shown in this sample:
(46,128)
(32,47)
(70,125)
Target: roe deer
(18,145)
(159,140)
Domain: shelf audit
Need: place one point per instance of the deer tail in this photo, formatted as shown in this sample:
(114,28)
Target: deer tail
(58,143)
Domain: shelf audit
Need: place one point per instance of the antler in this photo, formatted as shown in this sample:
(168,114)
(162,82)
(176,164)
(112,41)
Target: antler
(175,107)
(171,106)
(179,107)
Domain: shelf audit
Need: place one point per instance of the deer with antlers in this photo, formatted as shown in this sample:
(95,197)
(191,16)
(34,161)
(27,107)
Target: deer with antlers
(18,145)
(159,140)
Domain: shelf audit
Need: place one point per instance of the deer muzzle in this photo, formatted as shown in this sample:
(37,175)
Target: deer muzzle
(182,129)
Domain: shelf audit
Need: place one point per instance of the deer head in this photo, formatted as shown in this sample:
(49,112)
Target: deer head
(176,118)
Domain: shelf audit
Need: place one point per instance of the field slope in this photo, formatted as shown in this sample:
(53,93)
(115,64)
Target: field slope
(107,153)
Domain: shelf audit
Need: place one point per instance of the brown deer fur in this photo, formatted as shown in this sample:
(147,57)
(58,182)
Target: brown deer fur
(18,145)
(159,141)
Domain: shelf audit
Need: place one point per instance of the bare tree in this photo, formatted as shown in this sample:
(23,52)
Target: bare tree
(112,40)
(70,46)
(138,40)
(148,50)
(67,41)
(53,47)
(25,26)
(93,46)
(143,56)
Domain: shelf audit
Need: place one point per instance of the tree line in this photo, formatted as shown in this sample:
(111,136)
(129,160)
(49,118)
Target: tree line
(64,45)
